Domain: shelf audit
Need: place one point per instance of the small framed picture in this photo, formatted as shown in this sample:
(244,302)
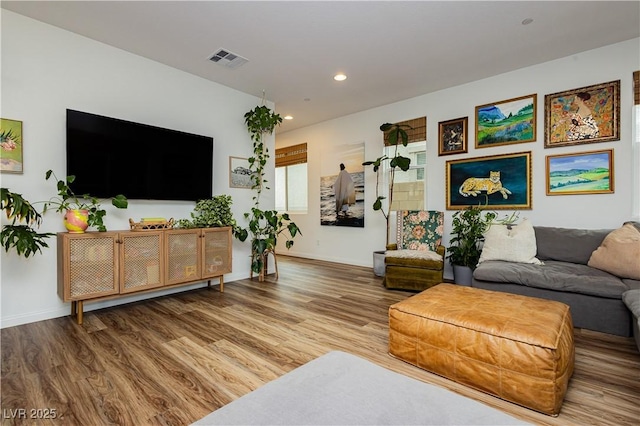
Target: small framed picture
(452,136)
(585,115)
(239,173)
(11,146)
(580,173)
(506,122)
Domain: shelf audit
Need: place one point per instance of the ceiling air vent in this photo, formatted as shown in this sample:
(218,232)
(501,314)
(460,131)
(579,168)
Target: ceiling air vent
(228,59)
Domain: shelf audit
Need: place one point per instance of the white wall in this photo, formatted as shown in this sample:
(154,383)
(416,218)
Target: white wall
(46,70)
(354,245)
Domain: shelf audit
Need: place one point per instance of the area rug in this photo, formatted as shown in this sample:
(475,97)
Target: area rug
(342,389)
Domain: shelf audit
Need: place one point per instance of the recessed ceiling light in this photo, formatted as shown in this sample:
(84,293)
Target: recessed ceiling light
(339,77)
(527,21)
(288,117)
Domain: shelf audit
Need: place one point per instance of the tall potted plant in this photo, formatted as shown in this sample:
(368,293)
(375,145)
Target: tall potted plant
(467,229)
(265,226)
(23,238)
(397,134)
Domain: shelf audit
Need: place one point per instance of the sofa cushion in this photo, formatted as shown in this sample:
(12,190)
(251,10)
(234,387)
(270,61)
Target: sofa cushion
(568,245)
(510,243)
(619,253)
(631,298)
(553,275)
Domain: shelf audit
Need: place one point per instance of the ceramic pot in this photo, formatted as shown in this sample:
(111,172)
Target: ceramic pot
(76,221)
(378,263)
(462,275)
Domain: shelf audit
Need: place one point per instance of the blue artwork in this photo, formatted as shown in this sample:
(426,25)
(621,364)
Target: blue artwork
(501,182)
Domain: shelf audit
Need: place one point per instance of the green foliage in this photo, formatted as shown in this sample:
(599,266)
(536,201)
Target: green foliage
(264,225)
(22,238)
(467,231)
(68,200)
(397,134)
(212,213)
(260,121)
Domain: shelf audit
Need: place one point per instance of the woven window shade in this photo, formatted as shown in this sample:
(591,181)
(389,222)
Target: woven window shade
(296,154)
(636,87)
(417,133)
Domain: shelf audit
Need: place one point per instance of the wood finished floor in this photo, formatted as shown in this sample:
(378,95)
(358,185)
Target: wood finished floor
(174,359)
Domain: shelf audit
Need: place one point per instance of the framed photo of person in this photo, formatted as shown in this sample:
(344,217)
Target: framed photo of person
(585,115)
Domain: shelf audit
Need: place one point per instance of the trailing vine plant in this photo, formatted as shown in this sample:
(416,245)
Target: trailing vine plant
(264,226)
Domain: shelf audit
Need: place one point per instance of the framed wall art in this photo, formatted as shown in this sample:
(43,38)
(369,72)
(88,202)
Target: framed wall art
(580,173)
(239,173)
(506,122)
(586,115)
(11,151)
(452,136)
(497,181)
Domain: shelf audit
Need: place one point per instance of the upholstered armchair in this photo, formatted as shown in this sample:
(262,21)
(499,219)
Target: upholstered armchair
(417,262)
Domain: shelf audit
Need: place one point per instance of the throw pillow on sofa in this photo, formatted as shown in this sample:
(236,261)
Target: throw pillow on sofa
(619,253)
(510,243)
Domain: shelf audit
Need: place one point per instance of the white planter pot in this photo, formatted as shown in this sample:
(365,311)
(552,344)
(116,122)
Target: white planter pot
(378,263)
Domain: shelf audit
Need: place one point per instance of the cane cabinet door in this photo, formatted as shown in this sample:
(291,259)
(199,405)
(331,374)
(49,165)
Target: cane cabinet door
(141,260)
(88,265)
(183,256)
(216,252)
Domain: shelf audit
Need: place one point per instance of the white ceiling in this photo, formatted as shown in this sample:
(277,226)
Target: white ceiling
(390,50)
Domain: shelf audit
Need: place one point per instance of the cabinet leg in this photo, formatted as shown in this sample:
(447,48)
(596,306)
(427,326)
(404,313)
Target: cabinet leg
(80,312)
(73,308)
(221,284)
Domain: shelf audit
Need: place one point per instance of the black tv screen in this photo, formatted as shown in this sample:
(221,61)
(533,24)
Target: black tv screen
(109,156)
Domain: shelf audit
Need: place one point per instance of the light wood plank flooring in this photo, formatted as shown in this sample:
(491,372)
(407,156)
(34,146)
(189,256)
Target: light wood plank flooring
(174,359)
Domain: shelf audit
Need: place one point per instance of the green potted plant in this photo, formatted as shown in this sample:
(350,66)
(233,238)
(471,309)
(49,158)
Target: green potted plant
(81,211)
(264,225)
(211,213)
(467,229)
(397,134)
(22,238)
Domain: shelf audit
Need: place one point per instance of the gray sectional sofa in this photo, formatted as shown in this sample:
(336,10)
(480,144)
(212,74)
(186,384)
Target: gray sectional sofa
(594,296)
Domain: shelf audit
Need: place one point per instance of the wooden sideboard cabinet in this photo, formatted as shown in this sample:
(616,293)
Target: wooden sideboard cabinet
(102,265)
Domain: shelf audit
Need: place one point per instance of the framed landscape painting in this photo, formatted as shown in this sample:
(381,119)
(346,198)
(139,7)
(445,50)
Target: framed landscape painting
(506,122)
(580,173)
(452,136)
(497,181)
(11,146)
(585,115)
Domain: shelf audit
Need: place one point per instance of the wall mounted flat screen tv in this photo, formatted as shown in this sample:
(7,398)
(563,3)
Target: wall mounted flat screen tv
(109,156)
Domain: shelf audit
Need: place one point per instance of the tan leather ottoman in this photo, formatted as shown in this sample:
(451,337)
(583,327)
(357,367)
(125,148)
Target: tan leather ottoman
(515,347)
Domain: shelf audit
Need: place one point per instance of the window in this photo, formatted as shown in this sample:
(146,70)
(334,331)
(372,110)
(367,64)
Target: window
(409,186)
(291,179)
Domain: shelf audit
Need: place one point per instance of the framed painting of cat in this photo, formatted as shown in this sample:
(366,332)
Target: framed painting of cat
(498,181)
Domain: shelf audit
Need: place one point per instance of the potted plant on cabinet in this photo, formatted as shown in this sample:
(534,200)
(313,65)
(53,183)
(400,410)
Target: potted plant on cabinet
(397,134)
(467,229)
(81,211)
(211,213)
(264,225)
